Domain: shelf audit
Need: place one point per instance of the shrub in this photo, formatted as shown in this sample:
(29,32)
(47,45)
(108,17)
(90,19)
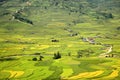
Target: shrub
(34,59)
(118,28)
(106,15)
(40,58)
(69,54)
(54,40)
(79,54)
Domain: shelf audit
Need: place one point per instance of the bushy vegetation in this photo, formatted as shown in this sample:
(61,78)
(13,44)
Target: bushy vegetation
(118,28)
(8,59)
(57,55)
(34,59)
(2,0)
(22,18)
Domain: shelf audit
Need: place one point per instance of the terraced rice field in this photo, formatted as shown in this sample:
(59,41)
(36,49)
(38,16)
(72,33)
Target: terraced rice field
(100,69)
(85,33)
(14,74)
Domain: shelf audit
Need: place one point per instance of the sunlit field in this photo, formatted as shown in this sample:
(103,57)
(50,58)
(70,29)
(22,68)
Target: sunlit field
(59,40)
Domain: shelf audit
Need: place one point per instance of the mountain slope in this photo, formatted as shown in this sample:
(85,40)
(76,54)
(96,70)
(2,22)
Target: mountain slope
(32,9)
(67,20)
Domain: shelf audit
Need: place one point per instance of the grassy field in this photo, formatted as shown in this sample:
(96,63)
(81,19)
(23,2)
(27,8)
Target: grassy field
(20,42)
(64,68)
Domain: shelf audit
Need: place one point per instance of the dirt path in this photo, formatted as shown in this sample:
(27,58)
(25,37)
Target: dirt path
(108,51)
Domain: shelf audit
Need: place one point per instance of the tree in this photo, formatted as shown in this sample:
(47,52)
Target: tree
(54,56)
(40,58)
(69,54)
(57,56)
(79,54)
(34,59)
(110,15)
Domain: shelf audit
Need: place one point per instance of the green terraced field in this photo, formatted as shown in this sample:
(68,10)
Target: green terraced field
(84,32)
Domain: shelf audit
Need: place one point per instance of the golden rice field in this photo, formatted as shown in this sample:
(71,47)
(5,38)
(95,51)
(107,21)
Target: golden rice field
(14,74)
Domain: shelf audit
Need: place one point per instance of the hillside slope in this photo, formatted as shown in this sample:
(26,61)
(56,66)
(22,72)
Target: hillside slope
(59,39)
(67,20)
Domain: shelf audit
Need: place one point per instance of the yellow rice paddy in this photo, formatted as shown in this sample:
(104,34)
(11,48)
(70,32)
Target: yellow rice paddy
(114,74)
(66,73)
(86,75)
(14,74)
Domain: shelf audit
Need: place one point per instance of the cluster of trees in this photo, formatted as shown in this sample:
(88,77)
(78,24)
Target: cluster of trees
(40,58)
(54,40)
(110,55)
(73,34)
(2,0)
(22,18)
(80,53)
(57,55)
(8,58)
(85,7)
(106,15)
